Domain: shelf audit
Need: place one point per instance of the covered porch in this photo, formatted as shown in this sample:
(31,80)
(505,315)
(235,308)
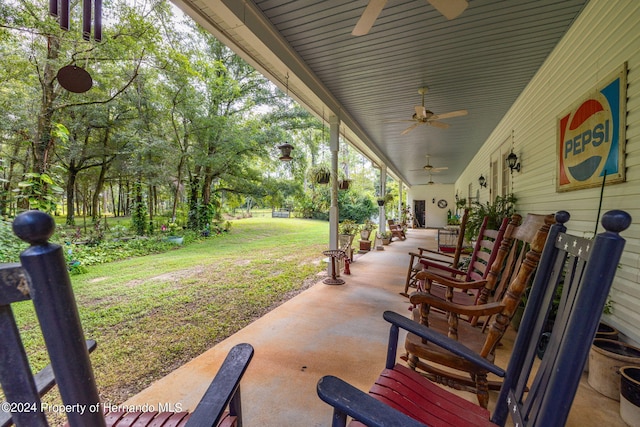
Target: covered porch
(335,330)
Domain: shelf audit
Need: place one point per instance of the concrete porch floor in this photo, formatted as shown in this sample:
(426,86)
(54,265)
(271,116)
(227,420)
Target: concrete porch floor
(335,330)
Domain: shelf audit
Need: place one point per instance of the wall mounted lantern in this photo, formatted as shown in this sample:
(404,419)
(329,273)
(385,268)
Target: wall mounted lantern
(482,181)
(285,149)
(512,162)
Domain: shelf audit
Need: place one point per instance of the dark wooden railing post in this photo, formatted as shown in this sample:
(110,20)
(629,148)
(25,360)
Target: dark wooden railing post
(55,306)
(15,373)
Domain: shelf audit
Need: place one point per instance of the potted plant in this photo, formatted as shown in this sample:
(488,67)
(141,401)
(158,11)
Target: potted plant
(344,183)
(174,230)
(386,237)
(320,174)
(367,228)
(347,229)
(503,207)
(383,200)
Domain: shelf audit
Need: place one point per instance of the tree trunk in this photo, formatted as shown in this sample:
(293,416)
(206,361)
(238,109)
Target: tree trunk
(43,143)
(176,194)
(5,199)
(71,187)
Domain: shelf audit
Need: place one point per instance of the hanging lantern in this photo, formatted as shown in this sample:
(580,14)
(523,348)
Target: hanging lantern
(285,149)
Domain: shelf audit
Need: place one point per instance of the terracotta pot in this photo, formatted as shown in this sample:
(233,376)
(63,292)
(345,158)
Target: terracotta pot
(630,395)
(605,360)
(607,332)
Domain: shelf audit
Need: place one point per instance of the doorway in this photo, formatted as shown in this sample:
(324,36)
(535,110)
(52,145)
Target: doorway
(419,210)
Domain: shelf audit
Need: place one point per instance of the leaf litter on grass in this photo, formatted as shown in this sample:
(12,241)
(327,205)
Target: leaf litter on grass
(150,315)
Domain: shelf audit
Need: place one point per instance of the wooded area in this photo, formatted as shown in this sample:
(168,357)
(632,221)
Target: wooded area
(175,125)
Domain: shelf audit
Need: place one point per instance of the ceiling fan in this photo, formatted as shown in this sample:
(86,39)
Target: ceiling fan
(422,116)
(449,8)
(431,169)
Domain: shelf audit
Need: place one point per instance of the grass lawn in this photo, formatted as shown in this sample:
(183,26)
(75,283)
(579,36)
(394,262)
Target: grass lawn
(151,314)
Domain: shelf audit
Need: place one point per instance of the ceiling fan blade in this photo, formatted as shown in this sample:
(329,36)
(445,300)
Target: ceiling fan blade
(421,111)
(451,114)
(441,125)
(443,168)
(399,121)
(368,17)
(449,8)
(410,128)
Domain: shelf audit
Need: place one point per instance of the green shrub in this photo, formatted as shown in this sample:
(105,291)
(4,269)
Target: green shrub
(10,245)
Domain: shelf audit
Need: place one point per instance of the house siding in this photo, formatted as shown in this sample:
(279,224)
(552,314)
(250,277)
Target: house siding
(604,36)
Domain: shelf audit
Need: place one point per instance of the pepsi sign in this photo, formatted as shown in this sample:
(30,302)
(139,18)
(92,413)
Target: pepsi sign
(591,137)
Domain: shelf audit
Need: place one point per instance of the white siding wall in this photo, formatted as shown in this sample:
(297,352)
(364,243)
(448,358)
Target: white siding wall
(604,36)
(436,217)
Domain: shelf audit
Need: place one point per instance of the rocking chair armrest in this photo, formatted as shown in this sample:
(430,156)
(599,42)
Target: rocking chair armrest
(450,307)
(451,282)
(430,263)
(422,250)
(348,400)
(436,259)
(443,341)
(44,380)
(224,389)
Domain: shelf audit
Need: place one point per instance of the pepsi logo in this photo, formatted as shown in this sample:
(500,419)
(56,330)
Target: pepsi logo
(586,136)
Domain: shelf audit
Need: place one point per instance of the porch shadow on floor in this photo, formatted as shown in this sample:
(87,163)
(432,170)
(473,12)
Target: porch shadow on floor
(330,330)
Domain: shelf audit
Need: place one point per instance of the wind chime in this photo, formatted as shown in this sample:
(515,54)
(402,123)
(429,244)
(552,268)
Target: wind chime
(71,77)
(61,10)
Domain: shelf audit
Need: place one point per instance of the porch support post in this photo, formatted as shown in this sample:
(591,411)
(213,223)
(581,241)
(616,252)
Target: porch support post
(383,190)
(399,201)
(334,146)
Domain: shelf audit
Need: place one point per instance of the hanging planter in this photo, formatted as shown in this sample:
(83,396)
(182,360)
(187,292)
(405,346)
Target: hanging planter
(320,174)
(344,184)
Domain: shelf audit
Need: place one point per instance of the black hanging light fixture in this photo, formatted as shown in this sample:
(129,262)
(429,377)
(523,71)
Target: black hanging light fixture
(512,158)
(482,181)
(512,162)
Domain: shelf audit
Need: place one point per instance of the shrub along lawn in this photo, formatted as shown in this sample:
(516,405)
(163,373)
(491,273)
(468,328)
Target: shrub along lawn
(151,314)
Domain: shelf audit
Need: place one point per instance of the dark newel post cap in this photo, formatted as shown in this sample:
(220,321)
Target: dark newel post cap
(34,227)
(562,217)
(616,221)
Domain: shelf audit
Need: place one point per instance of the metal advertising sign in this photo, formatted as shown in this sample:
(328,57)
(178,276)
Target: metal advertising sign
(591,136)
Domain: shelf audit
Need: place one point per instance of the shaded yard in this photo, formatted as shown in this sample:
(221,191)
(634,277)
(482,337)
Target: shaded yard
(151,314)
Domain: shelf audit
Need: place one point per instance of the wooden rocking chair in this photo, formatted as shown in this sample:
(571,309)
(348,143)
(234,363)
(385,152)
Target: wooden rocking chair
(484,254)
(444,258)
(402,397)
(396,230)
(482,257)
(42,277)
(511,268)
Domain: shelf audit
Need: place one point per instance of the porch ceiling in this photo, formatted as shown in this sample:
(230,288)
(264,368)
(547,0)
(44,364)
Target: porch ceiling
(480,61)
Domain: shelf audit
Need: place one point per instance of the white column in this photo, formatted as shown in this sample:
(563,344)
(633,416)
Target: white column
(334,146)
(399,201)
(383,190)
